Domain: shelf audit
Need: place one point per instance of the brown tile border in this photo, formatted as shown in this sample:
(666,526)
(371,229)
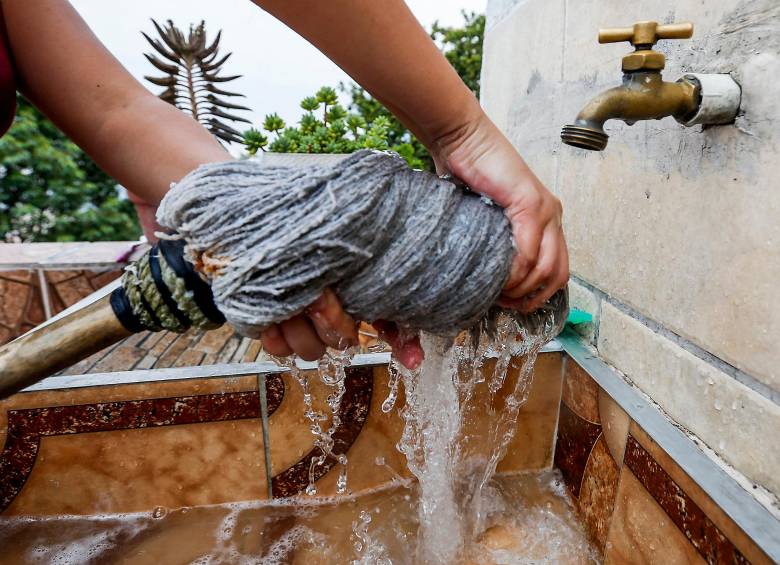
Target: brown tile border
(727,506)
(355,406)
(576,438)
(27,426)
(703,534)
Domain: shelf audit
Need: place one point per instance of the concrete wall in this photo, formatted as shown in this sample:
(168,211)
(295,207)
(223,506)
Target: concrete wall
(674,232)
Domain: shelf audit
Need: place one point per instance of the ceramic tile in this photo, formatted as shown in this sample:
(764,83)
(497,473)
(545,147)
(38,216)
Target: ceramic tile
(373,457)
(576,438)
(698,498)
(57,472)
(597,493)
(35,413)
(614,426)
(370,447)
(641,533)
(533,444)
(138,470)
(580,392)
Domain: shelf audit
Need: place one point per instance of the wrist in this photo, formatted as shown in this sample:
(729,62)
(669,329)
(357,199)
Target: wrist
(482,157)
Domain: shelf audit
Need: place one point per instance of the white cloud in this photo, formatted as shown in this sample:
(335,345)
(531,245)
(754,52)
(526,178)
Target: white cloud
(278,66)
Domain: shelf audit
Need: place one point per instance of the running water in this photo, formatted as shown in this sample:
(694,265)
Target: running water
(460,415)
(454,438)
(331,371)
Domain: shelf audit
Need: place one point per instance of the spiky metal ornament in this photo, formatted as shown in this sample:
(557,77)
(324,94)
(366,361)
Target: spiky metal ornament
(192,71)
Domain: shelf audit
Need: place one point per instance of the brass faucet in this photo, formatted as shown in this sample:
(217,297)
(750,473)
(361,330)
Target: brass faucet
(644,95)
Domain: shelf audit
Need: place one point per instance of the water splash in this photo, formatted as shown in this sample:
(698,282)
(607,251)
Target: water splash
(331,371)
(460,416)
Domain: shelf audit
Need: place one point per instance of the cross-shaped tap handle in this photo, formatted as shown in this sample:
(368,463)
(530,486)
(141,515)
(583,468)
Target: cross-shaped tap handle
(645,34)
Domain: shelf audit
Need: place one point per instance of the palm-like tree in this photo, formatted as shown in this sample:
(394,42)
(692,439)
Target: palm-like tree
(192,72)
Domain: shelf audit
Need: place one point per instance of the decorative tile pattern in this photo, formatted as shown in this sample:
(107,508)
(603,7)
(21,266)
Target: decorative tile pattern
(26,427)
(725,524)
(708,540)
(628,492)
(641,533)
(581,393)
(598,491)
(576,438)
(355,406)
(614,423)
(22,302)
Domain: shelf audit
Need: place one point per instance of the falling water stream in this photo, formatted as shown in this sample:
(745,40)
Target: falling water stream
(454,437)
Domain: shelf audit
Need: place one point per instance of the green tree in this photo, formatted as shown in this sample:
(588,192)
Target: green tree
(325,127)
(366,122)
(50,190)
(462,46)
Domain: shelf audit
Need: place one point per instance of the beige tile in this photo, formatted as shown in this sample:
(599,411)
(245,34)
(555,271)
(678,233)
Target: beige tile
(641,533)
(726,415)
(138,470)
(291,437)
(700,498)
(614,426)
(534,441)
(580,392)
(597,493)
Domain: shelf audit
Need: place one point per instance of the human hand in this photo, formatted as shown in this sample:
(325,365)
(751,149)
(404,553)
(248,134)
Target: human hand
(482,157)
(325,324)
(147,216)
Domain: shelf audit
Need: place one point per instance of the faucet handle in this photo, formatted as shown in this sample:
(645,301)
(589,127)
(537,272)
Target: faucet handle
(643,35)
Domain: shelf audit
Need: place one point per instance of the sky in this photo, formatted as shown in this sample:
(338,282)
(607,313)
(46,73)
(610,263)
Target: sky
(279,68)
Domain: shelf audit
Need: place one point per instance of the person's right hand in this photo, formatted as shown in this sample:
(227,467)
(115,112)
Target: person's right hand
(479,155)
(323,324)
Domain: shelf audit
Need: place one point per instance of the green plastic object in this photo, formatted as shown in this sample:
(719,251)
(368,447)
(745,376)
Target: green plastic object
(577,317)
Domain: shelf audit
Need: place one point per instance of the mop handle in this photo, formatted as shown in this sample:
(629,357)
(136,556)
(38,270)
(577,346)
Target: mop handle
(161,291)
(41,353)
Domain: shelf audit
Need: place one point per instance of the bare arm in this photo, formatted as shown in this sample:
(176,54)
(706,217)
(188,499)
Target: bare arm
(141,141)
(383,47)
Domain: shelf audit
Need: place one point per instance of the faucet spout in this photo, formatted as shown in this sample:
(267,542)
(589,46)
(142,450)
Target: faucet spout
(642,96)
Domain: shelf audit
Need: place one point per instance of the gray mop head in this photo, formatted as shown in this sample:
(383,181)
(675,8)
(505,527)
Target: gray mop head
(394,243)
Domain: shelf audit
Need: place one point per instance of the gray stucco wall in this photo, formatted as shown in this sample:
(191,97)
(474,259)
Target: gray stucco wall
(674,232)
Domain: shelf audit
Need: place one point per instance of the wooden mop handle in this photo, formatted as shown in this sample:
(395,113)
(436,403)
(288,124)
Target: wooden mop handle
(43,352)
(162,292)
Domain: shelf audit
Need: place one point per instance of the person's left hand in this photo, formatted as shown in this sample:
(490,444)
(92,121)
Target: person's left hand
(147,216)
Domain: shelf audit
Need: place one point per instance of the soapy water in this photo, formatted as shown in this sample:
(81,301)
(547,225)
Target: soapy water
(528,520)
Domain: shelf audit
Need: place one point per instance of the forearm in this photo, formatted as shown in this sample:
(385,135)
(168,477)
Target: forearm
(384,48)
(141,141)
(149,144)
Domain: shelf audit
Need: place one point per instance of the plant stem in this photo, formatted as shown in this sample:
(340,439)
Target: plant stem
(191,89)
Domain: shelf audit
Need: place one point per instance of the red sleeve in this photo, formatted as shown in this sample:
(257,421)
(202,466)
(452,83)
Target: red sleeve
(7,80)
